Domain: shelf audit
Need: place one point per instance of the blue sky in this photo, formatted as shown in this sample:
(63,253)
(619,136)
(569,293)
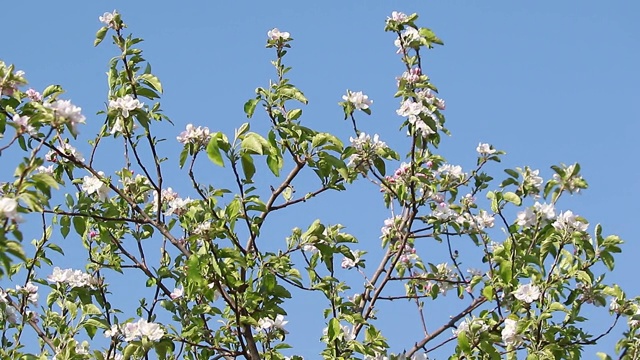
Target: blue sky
(548,82)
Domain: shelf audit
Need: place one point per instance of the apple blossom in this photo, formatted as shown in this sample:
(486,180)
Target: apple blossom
(569,222)
(66,110)
(125,105)
(485,149)
(276,34)
(33,95)
(177,293)
(398,16)
(510,332)
(548,211)
(9,208)
(527,293)
(107,18)
(199,135)
(93,185)
(359,100)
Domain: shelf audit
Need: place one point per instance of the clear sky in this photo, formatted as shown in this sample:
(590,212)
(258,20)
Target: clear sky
(547,81)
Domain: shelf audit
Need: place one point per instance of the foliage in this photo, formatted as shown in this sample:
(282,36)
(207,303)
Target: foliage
(219,290)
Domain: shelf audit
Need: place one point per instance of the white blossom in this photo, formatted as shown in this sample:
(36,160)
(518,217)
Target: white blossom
(359,100)
(107,18)
(23,123)
(45,169)
(142,328)
(278,323)
(177,206)
(453,170)
(510,332)
(199,135)
(9,208)
(125,104)
(485,149)
(547,210)
(66,110)
(73,278)
(527,293)
(31,291)
(526,218)
(67,150)
(275,34)
(484,220)
(177,293)
(408,36)
(33,95)
(398,16)
(531,177)
(113,331)
(93,185)
(569,222)
(349,263)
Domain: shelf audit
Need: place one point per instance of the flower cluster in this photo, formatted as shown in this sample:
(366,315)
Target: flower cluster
(108,19)
(416,112)
(398,17)
(9,208)
(30,290)
(23,124)
(470,325)
(139,187)
(410,77)
(390,225)
(174,204)
(407,39)
(351,263)
(10,81)
(359,100)
(67,150)
(529,216)
(347,332)
(93,185)
(195,135)
(532,178)
(73,278)
(64,109)
(367,149)
(485,149)
(177,293)
(527,293)
(136,330)
(572,182)
(125,105)
(278,323)
(567,221)
(276,34)
(33,95)
(510,332)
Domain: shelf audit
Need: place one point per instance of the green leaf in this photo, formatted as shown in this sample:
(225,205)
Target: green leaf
(80,225)
(213,151)
(463,342)
(512,198)
(152,80)
(514,174)
(247,166)
(255,144)
(334,329)
(275,163)
(487,292)
(100,35)
(250,106)
(51,90)
(294,114)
